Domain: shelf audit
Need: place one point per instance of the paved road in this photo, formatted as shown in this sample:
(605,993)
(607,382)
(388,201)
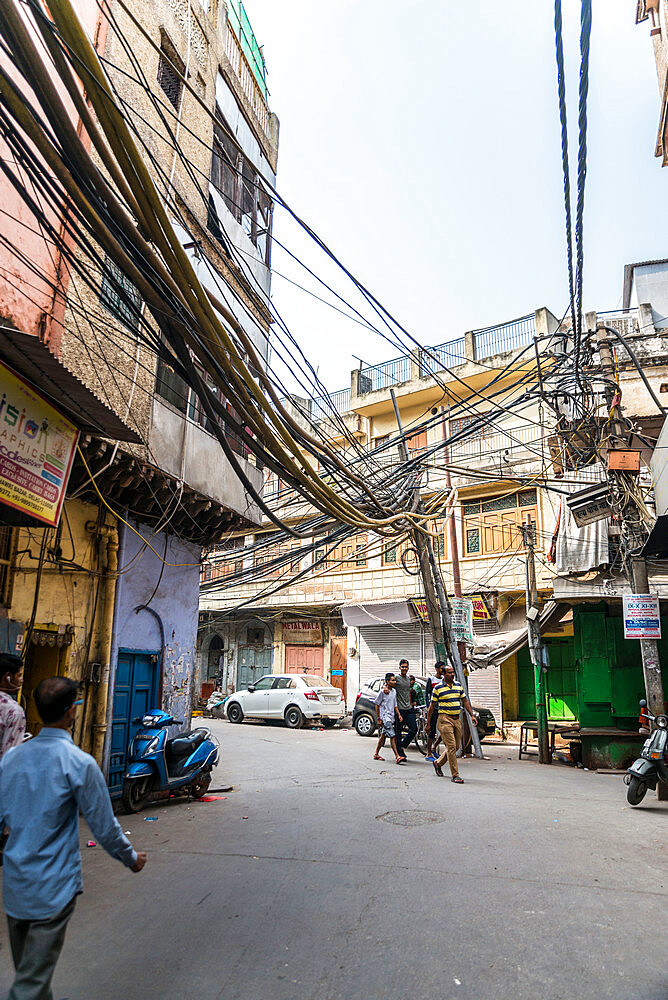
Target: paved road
(326,875)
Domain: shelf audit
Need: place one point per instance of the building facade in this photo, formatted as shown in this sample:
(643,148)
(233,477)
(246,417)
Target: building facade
(654,15)
(110,594)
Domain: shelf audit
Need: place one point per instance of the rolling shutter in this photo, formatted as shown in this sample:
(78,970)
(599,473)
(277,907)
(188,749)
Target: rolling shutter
(485,690)
(382,646)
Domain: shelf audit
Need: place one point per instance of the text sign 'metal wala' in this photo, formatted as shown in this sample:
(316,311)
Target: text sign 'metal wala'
(303,633)
(37,445)
(642,618)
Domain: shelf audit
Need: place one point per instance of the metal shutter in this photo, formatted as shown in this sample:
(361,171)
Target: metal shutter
(485,690)
(382,646)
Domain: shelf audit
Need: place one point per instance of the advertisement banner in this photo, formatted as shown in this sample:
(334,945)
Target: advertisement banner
(37,445)
(481,611)
(462,619)
(642,618)
(420,608)
(302,633)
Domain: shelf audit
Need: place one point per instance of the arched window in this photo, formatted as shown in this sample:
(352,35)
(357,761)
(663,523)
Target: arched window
(215,664)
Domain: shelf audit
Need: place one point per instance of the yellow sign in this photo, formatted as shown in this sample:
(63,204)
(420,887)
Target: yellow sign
(480,609)
(37,445)
(420,609)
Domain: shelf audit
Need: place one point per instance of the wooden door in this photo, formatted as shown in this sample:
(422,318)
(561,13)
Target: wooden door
(338,663)
(304,660)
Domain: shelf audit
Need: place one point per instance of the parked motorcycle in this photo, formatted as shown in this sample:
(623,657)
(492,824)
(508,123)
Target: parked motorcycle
(652,765)
(159,764)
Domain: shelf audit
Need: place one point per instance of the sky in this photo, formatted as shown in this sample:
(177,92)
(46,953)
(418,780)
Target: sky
(421,141)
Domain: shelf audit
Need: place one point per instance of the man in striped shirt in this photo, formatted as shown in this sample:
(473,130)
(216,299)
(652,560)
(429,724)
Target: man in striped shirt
(447,699)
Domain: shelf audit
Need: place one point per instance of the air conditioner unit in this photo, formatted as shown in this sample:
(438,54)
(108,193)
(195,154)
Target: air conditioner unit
(591,504)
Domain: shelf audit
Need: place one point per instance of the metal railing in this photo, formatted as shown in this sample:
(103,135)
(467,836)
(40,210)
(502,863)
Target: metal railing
(443,356)
(246,78)
(335,402)
(381,376)
(507,337)
(491,446)
(624,320)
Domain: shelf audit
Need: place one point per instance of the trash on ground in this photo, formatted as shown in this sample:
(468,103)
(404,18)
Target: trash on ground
(150,819)
(91,843)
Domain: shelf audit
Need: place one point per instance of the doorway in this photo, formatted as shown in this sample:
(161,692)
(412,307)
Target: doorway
(561,684)
(338,663)
(254,662)
(135,692)
(305,660)
(42,661)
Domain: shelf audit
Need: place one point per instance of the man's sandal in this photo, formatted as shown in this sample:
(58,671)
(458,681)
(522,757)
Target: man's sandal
(378,757)
(458,780)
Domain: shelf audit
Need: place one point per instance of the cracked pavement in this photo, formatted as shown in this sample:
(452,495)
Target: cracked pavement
(525,881)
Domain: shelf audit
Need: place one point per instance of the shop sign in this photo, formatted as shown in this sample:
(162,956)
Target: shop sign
(302,633)
(420,608)
(642,619)
(462,619)
(480,610)
(37,445)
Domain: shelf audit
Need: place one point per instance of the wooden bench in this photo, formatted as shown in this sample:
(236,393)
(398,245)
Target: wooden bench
(554,729)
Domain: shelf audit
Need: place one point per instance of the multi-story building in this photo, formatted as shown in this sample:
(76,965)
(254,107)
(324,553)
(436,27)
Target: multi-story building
(655,14)
(354,617)
(109,594)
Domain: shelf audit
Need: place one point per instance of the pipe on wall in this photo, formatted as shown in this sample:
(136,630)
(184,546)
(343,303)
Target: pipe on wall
(108,532)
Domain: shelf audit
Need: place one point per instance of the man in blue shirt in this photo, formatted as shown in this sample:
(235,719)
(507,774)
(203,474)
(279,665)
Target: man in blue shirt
(44,783)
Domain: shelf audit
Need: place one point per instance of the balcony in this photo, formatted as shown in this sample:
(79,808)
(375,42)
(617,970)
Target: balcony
(254,93)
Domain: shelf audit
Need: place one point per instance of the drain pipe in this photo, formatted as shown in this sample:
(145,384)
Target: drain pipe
(100,725)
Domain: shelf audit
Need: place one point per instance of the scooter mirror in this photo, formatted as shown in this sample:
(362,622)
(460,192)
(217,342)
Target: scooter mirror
(643,703)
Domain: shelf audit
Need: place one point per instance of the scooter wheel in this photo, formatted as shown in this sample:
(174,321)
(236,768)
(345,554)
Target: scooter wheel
(637,790)
(200,785)
(136,793)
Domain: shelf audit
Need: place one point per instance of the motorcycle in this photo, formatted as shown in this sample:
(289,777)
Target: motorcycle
(162,765)
(652,765)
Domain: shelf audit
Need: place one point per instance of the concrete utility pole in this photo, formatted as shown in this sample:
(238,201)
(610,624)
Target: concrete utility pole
(536,647)
(649,648)
(438,609)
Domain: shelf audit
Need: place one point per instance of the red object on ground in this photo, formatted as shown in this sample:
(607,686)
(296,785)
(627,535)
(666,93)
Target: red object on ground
(211,798)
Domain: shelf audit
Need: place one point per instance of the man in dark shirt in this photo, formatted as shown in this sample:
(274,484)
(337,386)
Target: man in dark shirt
(406,706)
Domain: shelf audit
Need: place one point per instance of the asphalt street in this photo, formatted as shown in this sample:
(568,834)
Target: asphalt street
(326,875)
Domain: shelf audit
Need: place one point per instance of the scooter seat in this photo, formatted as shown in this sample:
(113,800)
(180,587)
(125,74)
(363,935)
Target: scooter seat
(185,743)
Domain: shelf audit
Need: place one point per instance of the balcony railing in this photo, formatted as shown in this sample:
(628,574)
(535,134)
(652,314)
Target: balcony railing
(507,337)
(624,320)
(335,402)
(491,446)
(246,78)
(443,356)
(381,376)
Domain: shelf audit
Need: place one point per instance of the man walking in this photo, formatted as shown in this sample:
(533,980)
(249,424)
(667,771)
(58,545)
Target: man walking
(12,716)
(406,706)
(386,711)
(447,700)
(44,783)
(432,682)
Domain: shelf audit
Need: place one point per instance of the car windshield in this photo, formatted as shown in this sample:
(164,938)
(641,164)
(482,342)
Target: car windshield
(314,679)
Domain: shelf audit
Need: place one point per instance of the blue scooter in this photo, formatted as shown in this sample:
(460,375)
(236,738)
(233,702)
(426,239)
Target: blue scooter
(158,764)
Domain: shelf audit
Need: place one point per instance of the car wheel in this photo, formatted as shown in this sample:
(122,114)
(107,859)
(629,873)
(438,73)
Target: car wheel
(235,712)
(293,717)
(365,724)
(328,723)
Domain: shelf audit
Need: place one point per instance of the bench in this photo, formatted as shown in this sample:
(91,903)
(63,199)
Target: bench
(554,729)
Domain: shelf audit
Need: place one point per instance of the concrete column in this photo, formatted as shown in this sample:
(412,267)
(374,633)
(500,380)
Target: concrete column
(546,322)
(416,368)
(469,345)
(646,319)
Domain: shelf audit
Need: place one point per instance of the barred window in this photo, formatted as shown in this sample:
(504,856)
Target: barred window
(168,77)
(119,296)
(7,550)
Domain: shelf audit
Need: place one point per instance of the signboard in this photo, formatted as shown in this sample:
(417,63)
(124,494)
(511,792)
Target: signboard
(420,609)
(302,633)
(462,619)
(37,445)
(480,610)
(642,619)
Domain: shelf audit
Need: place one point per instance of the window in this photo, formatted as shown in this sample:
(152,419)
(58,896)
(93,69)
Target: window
(417,443)
(255,636)
(284,682)
(491,524)
(378,442)
(169,67)
(171,386)
(119,296)
(7,552)
(264,683)
(237,181)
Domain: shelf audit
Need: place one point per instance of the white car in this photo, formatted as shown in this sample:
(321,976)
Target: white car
(291,697)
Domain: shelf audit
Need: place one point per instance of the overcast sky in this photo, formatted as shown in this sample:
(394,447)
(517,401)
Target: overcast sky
(421,141)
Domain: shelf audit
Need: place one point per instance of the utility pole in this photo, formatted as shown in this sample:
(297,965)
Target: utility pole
(452,538)
(649,649)
(536,647)
(438,609)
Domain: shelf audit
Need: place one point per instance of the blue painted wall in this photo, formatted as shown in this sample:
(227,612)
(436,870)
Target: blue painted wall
(174,607)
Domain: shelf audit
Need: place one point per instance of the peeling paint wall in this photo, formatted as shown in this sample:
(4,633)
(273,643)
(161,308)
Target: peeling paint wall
(169,625)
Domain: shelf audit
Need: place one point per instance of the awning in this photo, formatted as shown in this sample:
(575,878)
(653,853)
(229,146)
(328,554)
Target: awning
(492,650)
(32,359)
(604,586)
(379,613)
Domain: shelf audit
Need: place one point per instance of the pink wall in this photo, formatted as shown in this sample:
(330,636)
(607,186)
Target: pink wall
(26,300)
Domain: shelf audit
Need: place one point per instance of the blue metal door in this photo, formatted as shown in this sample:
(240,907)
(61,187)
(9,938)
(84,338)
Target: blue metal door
(135,692)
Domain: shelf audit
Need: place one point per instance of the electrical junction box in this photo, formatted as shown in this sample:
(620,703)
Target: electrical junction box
(591,504)
(624,460)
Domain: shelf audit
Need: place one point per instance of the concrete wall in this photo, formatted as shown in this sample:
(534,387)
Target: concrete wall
(173,616)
